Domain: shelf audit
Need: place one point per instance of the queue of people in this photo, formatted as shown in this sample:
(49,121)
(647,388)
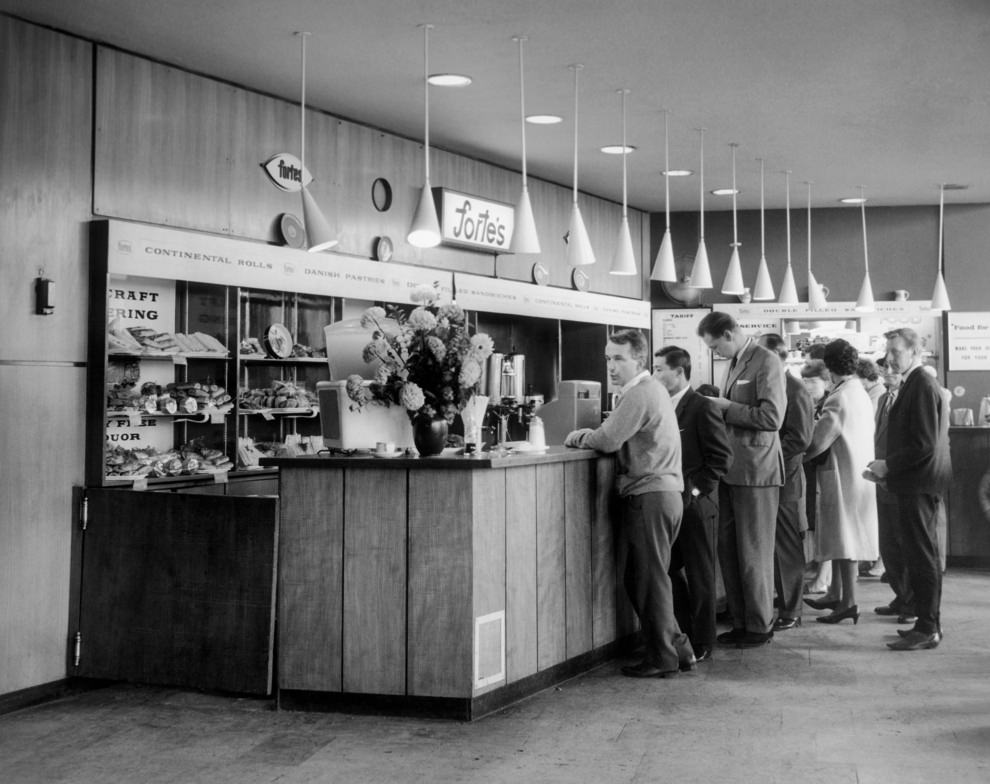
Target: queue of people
(736,480)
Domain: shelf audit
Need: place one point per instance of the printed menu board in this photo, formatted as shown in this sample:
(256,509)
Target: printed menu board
(680,328)
(969,341)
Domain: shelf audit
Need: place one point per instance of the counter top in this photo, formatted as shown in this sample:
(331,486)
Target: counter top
(364,459)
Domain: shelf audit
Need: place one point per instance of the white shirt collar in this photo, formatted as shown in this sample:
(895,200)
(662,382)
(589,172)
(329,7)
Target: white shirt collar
(676,397)
(634,381)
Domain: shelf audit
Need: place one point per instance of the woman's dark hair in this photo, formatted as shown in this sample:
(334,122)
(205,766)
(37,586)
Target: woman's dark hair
(867,370)
(709,390)
(841,357)
(815,368)
(815,351)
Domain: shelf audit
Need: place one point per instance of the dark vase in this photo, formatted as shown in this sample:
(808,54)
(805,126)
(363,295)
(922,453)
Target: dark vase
(429,435)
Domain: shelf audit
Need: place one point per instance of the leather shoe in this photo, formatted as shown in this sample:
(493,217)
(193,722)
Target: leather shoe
(730,638)
(915,641)
(886,609)
(906,632)
(907,618)
(822,604)
(783,624)
(703,654)
(755,639)
(688,664)
(646,670)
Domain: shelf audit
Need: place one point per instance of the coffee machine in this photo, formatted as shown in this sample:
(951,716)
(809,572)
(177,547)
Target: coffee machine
(578,404)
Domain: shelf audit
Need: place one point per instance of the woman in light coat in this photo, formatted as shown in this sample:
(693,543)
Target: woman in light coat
(847,513)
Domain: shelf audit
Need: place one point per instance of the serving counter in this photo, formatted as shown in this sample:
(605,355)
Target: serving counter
(446,585)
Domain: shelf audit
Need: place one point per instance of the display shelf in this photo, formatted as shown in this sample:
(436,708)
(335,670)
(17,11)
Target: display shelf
(256,360)
(298,413)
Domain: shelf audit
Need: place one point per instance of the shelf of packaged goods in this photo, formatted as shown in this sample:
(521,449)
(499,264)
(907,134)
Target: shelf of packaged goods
(176,359)
(310,412)
(252,359)
(199,417)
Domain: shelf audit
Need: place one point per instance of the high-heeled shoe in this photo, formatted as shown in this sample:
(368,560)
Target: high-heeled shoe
(835,617)
(822,604)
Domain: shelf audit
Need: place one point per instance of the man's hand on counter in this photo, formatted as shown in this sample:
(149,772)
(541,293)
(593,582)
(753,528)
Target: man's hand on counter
(573,438)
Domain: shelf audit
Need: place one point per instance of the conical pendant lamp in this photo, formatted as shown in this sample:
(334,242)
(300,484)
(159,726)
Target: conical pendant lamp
(524,237)
(733,282)
(763,288)
(579,250)
(940,295)
(318,234)
(788,290)
(425,229)
(816,295)
(624,260)
(864,302)
(663,267)
(701,272)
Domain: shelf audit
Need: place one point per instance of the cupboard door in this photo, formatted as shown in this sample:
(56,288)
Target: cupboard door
(179,589)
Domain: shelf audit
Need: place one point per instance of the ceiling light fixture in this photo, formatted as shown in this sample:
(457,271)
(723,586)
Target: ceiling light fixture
(425,229)
(579,250)
(733,284)
(940,295)
(663,267)
(864,302)
(763,288)
(701,273)
(852,200)
(318,234)
(618,149)
(816,294)
(624,260)
(677,173)
(544,119)
(449,80)
(524,236)
(724,192)
(788,290)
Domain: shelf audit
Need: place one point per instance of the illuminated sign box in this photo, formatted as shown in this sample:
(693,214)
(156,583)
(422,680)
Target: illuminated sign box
(472,222)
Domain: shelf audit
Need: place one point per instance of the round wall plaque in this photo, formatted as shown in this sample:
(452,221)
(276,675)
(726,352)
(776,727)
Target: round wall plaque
(381,194)
(540,274)
(580,279)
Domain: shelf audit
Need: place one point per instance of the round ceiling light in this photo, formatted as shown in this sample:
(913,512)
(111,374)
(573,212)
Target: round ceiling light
(677,173)
(725,192)
(449,80)
(618,149)
(544,119)
(853,200)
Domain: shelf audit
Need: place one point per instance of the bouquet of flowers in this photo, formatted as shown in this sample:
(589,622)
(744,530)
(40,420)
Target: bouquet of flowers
(425,361)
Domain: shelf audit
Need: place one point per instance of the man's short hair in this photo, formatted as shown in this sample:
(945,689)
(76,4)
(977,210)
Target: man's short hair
(775,343)
(709,390)
(716,324)
(867,369)
(676,357)
(815,368)
(908,335)
(815,351)
(639,348)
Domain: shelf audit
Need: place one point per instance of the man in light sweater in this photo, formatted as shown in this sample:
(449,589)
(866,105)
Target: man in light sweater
(642,432)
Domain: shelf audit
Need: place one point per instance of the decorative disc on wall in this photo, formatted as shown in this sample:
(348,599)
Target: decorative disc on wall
(293,232)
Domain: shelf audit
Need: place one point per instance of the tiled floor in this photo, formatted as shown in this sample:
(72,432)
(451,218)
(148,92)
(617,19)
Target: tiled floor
(820,704)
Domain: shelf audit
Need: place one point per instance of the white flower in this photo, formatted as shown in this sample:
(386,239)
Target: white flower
(372,318)
(421,319)
(481,346)
(412,397)
(424,293)
(436,347)
(470,373)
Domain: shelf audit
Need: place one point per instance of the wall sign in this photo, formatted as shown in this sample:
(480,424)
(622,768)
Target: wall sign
(679,327)
(471,222)
(969,341)
(287,172)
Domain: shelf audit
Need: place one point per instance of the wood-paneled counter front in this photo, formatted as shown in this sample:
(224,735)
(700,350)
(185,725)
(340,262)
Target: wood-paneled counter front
(453,585)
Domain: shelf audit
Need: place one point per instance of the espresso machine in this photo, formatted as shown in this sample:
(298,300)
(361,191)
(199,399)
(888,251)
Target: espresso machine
(578,404)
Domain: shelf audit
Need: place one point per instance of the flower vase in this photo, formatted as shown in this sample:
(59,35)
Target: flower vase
(429,435)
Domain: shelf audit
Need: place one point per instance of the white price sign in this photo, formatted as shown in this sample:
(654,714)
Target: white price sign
(969,341)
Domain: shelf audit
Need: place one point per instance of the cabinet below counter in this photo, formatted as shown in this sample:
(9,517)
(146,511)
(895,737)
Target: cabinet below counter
(446,585)
(968,523)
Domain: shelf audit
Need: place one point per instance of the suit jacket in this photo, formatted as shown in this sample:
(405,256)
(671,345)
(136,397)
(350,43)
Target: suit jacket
(795,436)
(756,390)
(882,419)
(705,450)
(918,438)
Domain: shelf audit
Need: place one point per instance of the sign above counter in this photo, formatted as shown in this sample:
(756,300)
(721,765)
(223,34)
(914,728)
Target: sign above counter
(472,222)
(512,297)
(969,341)
(173,254)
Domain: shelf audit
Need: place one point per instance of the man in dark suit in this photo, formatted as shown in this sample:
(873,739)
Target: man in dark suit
(705,457)
(917,470)
(792,519)
(753,411)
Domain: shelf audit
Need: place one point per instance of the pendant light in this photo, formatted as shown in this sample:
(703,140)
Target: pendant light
(816,296)
(733,281)
(701,273)
(624,261)
(524,237)
(940,296)
(318,234)
(663,267)
(788,290)
(763,288)
(425,229)
(864,302)
(579,250)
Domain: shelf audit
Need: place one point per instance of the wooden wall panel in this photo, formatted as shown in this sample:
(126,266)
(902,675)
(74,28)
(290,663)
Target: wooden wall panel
(550,565)
(605,587)
(579,499)
(311,580)
(375,582)
(45,186)
(440,607)
(520,572)
(488,546)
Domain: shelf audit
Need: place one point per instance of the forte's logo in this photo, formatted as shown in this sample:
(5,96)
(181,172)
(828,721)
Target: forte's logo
(287,172)
(473,222)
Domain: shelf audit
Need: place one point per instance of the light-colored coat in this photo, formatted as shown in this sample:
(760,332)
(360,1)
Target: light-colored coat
(847,505)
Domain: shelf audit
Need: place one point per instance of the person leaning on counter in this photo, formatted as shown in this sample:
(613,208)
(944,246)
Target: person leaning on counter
(642,432)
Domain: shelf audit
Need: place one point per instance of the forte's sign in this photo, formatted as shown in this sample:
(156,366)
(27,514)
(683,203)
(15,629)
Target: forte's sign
(473,222)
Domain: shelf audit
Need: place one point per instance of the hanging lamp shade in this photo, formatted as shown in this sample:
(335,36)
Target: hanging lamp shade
(864,302)
(763,288)
(524,236)
(701,272)
(579,250)
(425,229)
(663,266)
(624,259)
(733,281)
(319,237)
(788,291)
(940,295)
